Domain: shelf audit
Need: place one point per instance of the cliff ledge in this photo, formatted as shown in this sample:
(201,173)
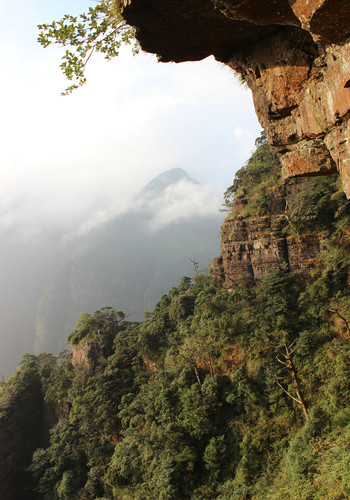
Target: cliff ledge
(293,54)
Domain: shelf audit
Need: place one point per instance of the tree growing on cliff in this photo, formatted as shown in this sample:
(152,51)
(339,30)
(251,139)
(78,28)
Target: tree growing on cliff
(102,326)
(255,179)
(102,29)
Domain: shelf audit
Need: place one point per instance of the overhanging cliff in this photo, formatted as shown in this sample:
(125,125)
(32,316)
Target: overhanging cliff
(293,54)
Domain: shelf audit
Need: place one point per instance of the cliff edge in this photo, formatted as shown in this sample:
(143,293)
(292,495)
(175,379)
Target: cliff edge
(294,55)
(274,223)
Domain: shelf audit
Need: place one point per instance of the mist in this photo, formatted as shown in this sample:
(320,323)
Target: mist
(71,164)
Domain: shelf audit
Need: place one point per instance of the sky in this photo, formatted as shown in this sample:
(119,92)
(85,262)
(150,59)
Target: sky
(69,163)
(67,156)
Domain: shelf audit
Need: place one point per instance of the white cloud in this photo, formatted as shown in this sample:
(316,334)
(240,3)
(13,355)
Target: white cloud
(179,202)
(71,159)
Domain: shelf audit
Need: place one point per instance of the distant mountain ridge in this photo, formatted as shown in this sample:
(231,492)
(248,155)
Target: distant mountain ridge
(126,264)
(158,185)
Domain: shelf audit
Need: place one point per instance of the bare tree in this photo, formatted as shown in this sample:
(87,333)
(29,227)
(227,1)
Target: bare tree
(195,266)
(288,363)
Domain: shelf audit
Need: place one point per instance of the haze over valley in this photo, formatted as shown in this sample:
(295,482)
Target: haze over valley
(71,164)
(128,261)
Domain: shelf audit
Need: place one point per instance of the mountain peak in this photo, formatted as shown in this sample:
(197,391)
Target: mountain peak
(159,183)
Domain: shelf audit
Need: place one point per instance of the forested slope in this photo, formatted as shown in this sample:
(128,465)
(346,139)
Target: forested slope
(228,390)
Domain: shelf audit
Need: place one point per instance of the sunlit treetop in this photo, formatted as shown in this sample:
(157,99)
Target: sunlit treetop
(101,29)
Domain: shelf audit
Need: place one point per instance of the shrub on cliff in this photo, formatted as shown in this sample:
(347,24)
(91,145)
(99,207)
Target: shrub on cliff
(101,326)
(255,180)
(317,206)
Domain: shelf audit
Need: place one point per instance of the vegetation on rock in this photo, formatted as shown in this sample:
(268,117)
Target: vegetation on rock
(227,394)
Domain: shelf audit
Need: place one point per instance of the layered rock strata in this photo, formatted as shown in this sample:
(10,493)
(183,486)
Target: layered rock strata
(293,54)
(250,246)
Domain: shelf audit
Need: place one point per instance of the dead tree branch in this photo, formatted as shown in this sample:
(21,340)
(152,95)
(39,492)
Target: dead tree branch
(288,363)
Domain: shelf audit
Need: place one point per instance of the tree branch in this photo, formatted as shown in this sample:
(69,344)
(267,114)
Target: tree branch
(288,393)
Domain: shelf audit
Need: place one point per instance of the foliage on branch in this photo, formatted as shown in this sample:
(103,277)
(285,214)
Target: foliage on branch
(102,29)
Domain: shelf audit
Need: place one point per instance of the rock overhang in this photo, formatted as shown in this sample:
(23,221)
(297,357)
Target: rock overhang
(187,30)
(181,31)
(293,54)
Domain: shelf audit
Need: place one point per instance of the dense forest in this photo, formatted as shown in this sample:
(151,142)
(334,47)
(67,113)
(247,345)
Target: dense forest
(237,392)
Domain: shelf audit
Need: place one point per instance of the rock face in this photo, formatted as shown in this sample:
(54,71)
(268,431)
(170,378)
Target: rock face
(86,353)
(293,54)
(250,246)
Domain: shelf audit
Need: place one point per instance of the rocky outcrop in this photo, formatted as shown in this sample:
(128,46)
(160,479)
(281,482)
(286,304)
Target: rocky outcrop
(302,99)
(293,54)
(251,245)
(86,353)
